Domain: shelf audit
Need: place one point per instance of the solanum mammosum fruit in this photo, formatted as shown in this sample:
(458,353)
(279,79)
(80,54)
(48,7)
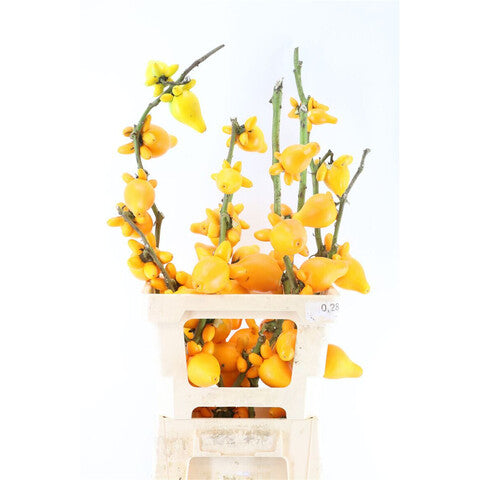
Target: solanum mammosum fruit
(203,370)
(274,372)
(251,139)
(337,177)
(339,365)
(287,237)
(229,179)
(320,273)
(185,107)
(318,211)
(258,273)
(156,72)
(154,140)
(139,194)
(294,160)
(355,278)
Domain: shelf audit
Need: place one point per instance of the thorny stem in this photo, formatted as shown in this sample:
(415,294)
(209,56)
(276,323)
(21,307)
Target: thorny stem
(291,285)
(136,134)
(314,169)
(199,330)
(127,216)
(304,135)
(227,198)
(343,200)
(277,330)
(276,102)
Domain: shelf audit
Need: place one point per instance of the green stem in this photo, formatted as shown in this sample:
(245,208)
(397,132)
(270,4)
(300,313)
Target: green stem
(127,216)
(291,285)
(318,232)
(251,412)
(276,102)
(304,134)
(343,200)
(227,198)
(136,134)
(199,329)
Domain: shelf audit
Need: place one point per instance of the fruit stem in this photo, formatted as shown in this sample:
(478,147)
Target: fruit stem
(343,200)
(276,102)
(304,134)
(199,329)
(227,198)
(136,134)
(127,216)
(290,285)
(318,232)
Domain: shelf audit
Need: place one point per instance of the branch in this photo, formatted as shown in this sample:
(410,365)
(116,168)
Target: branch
(343,200)
(127,216)
(276,102)
(318,232)
(302,113)
(135,136)
(227,198)
(290,283)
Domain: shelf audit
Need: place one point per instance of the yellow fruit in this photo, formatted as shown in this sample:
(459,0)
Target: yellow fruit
(222,330)
(355,278)
(320,273)
(258,273)
(227,356)
(339,365)
(294,160)
(210,275)
(208,333)
(139,193)
(186,109)
(277,412)
(336,177)
(287,237)
(285,345)
(229,179)
(203,370)
(274,372)
(319,211)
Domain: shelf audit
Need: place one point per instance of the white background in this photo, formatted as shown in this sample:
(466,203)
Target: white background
(77,360)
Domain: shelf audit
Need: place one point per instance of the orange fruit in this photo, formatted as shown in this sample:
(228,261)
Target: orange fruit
(274,372)
(203,370)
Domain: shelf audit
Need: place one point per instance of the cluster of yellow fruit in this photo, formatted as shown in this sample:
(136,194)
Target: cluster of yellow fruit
(258,352)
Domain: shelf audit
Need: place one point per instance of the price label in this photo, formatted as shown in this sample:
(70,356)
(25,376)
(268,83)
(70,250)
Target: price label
(315,311)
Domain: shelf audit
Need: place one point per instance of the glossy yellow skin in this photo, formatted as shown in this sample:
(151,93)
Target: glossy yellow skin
(210,275)
(229,179)
(203,370)
(319,211)
(320,273)
(139,193)
(258,273)
(155,71)
(145,225)
(287,237)
(355,278)
(227,356)
(316,113)
(285,345)
(211,225)
(185,108)
(339,365)
(154,140)
(337,177)
(252,139)
(274,372)
(294,160)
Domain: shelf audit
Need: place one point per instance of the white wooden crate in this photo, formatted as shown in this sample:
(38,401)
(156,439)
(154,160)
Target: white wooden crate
(241,449)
